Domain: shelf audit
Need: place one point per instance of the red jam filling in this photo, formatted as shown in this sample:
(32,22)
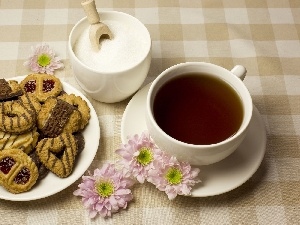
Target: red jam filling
(48,85)
(6,164)
(23,176)
(30,86)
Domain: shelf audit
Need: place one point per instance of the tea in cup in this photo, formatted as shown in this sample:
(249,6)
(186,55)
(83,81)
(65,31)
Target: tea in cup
(199,112)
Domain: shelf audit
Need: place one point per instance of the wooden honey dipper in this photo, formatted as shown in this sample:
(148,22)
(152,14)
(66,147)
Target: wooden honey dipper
(97,28)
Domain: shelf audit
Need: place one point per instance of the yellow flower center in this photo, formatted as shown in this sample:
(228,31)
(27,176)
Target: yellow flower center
(44,60)
(173,176)
(104,188)
(145,156)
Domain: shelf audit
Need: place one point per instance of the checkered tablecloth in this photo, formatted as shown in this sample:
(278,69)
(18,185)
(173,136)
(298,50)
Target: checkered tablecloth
(262,35)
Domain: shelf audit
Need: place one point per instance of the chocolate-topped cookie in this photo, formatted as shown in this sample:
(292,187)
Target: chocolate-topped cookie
(9,89)
(43,170)
(80,141)
(80,104)
(58,116)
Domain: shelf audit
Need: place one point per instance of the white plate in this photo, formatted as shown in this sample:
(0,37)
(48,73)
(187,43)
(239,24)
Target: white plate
(217,178)
(52,184)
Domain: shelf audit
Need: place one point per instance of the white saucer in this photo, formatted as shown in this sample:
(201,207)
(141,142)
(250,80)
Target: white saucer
(217,178)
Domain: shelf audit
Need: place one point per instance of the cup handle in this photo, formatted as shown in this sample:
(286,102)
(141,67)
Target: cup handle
(239,71)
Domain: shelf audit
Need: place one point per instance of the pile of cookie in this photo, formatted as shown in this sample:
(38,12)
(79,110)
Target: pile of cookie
(40,130)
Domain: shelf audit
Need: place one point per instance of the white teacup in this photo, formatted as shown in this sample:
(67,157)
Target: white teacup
(199,154)
(112,79)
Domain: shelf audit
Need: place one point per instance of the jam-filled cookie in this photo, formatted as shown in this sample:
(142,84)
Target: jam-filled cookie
(80,104)
(9,89)
(18,173)
(58,154)
(57,116)
(42,86)
(25,142)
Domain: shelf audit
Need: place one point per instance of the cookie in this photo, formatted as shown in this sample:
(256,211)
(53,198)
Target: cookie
(9,89)
(80,104)
(43,171)
(16,117)
(57,116)
(42,86)
(18,173)
(25,142)
(31,102)
(80,141)
(65,146)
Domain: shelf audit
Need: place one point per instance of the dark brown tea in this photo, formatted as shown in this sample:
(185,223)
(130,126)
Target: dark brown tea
(198,110)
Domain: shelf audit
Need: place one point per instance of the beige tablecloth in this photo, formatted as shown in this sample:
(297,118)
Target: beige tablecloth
(262,35)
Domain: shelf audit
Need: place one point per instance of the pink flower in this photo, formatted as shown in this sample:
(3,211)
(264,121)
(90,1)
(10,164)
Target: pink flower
(43,60)
(140,155)
(174,177)
(106,191)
